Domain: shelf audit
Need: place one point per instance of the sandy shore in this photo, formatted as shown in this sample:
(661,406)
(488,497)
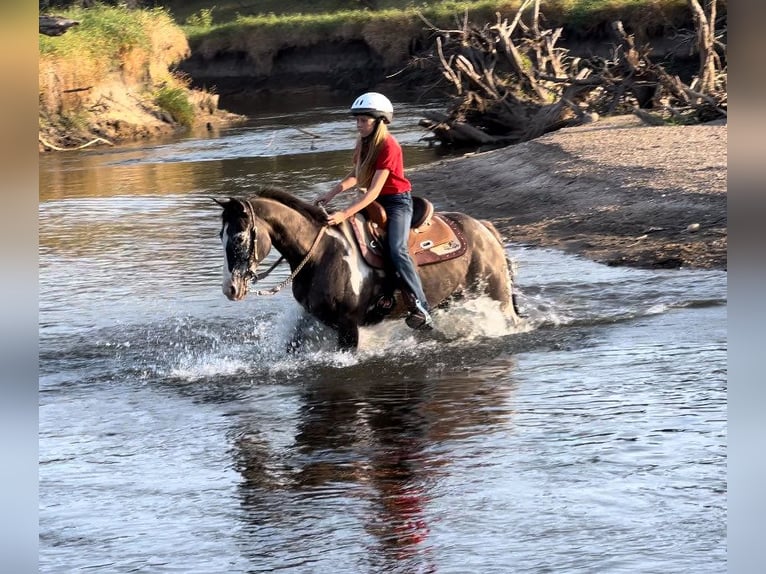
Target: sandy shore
(616,191)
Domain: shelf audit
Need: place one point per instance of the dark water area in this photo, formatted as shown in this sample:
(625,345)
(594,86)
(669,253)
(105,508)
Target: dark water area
(176,435)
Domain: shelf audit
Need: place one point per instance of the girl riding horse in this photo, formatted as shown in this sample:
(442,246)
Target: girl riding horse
(379,171)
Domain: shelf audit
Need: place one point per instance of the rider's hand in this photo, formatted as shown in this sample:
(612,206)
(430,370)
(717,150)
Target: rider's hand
(336,218)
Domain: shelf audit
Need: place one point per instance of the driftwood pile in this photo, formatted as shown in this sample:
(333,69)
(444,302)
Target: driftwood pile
(511,83)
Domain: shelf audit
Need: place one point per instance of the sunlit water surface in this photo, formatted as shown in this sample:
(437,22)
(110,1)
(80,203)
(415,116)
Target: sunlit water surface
(176,435)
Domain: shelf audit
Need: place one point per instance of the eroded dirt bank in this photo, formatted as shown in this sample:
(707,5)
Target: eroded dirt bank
(118,112)
(616,191)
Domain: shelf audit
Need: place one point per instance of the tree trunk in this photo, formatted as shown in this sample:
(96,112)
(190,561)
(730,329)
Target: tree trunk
(705,25)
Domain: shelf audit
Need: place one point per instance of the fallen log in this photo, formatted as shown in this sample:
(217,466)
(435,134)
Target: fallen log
(55,25)
(458,134)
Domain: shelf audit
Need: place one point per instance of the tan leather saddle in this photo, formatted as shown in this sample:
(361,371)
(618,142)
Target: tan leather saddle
(433,237)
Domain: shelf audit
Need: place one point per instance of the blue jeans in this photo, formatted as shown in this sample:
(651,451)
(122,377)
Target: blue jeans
(399,263)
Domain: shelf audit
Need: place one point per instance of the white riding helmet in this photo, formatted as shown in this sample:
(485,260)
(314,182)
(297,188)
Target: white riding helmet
(375,105)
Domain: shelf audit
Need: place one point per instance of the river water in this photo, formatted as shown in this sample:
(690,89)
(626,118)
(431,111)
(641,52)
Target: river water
(177,436)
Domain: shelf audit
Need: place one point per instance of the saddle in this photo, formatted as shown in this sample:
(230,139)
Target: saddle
(433,237)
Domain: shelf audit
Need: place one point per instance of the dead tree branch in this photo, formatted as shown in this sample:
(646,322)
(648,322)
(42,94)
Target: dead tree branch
(511,83)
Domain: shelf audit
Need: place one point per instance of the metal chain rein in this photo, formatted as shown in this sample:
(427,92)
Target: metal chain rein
(283,284)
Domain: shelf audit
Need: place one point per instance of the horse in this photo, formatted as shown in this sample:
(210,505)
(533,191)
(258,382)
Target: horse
(331,278)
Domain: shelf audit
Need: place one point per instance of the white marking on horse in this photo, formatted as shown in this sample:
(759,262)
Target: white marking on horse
(358,270)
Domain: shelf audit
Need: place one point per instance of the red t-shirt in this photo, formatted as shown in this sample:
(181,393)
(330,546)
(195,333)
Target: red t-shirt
(390,158)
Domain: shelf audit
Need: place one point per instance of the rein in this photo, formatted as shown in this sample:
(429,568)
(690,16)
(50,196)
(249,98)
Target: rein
(276,289)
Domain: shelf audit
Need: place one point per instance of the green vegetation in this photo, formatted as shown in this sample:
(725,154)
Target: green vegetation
(176,102)
(262,28)
(137,45)
(227,11)
(583,16)
(230,10)
(116,62)
(201,19)
(104,33)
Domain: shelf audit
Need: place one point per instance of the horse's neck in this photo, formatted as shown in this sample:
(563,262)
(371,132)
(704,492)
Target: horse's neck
(292,233)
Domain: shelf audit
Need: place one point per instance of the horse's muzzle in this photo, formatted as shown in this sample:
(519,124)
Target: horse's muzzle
(235,290)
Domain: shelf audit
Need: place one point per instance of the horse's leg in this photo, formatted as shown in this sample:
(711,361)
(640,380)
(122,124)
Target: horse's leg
(511,284)
(298,337)
(516,305)
(348,337)
(500,288)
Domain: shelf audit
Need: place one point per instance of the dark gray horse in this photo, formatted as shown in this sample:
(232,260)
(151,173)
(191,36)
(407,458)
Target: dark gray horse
(330,277)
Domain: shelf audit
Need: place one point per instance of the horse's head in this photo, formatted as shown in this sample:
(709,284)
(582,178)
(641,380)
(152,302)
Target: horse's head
(246,243)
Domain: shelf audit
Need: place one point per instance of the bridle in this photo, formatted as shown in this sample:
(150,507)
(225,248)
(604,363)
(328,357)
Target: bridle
(252,255)
(251,274)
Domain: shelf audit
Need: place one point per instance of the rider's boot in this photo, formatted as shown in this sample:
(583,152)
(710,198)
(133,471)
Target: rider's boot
(418,316)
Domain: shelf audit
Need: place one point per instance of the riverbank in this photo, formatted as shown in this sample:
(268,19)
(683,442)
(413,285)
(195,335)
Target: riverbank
(122,75)
(123,114)
(393,47)
(616,191)
(111,79)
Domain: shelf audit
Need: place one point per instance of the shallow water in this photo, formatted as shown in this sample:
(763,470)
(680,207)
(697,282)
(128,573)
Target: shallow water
(177,436)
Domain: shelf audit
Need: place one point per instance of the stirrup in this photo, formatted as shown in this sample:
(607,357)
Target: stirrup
(419,317)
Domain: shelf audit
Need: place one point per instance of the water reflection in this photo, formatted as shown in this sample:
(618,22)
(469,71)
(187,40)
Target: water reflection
(370,455)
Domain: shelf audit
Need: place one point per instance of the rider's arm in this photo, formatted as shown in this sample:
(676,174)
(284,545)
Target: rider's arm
(378,179)
(346,183)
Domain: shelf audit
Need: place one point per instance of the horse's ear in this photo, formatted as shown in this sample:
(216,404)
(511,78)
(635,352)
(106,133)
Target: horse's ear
(222,203)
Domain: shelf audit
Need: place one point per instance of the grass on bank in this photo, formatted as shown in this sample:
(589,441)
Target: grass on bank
(581,17)
(225,11)
(137,47)
(391,28)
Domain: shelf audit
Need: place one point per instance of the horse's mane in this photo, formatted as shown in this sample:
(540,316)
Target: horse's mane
(286,198)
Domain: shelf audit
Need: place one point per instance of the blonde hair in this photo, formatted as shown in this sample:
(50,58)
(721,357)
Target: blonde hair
(365,166)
